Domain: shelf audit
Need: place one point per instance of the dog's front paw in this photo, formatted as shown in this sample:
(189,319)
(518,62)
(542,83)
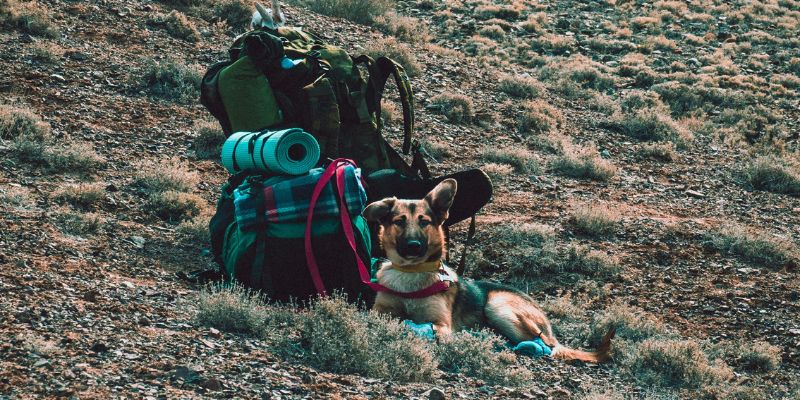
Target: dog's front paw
(424,330)
(533,348)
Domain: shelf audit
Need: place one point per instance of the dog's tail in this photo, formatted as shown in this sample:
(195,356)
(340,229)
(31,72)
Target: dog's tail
(601,354)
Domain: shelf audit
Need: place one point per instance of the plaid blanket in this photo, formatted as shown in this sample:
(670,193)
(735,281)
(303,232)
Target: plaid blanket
(287,200)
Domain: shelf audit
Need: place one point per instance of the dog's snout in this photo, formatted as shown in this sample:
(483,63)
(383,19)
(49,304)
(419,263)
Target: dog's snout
(412,248)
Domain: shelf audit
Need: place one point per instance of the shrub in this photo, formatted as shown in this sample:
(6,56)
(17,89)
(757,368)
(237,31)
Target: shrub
(520,159)
(28,17)
(397,51)
(538,117)
(488,11)
(752,246)
(195,231)
(772,175)
(651,125)
(406,29)
(596,221)
(637,100)
(174,206)
(497,171)
(172,80)
(535,23)
(436,150)
(580,70)
(232,309)
(46,53)
(166,175)
(16,122)
(335,336)
(179,26)
(481,355)
(78,224)
(209,140)
(631,324)
(492,32)
(16,196)
(757,356)
(76,158)
(521,86)
(664,152)
(360,11)
(29,150)
(236,13)
(583,163)
(458,108)
(83,196)
(676,363)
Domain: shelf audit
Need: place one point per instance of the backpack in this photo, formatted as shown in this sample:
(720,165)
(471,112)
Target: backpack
(332,95)
(270,253)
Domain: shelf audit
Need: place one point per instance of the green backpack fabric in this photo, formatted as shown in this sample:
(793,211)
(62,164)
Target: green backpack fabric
(329,93)
(271,258)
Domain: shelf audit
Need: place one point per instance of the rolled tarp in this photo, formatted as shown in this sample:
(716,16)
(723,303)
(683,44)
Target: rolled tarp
(290,151)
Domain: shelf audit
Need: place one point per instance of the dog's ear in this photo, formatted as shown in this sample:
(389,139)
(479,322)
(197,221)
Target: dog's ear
(441,198)
(277,13)
(379,209)
(266,17)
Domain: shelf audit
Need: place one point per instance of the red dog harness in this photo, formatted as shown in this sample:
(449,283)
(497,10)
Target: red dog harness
(337,168)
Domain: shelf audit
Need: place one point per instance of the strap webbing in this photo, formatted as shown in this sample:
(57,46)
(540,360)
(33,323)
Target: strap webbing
(337,168)
(462,264)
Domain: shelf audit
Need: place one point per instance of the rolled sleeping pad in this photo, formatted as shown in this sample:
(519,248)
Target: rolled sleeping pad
(286,152)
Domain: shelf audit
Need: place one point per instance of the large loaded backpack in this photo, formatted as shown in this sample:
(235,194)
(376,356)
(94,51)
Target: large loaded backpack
(281,79)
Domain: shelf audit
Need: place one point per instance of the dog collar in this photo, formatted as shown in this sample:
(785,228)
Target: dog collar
(429,266)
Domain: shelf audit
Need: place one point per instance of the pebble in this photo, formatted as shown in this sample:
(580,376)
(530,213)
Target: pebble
(434,394)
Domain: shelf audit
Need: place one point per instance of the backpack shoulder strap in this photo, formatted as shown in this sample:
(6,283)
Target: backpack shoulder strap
(379,71)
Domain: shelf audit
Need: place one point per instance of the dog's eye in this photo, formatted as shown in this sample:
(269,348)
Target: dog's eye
(424,222)
(399,222)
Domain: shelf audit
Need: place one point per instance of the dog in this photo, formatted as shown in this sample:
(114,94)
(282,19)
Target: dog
(411,234)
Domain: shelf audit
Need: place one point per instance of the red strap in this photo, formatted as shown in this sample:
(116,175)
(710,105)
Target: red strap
(347,227)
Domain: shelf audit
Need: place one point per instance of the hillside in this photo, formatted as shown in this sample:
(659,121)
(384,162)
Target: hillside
(646,164)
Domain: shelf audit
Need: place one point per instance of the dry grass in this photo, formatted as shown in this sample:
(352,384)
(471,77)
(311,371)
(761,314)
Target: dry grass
(171,80)
(232,309)
(235,13)
(208,142)
(179,26)
(165,175)
(174,206)
(538,117)
(481,355)
(521,86)
(78,223)
(664,152)
(497,172)
(653,126)
(436,149)
(406,29)
(195,231)
(361,11)
(676,363)
(772,174)
(17,122)
(28,17)
(397,51)
(82,196)
(594,220)
(46,53)
(521,160)
(583,163)
(753,246)
(75,158)
(458,108)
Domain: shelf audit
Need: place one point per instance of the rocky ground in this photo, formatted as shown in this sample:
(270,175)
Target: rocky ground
(111,314)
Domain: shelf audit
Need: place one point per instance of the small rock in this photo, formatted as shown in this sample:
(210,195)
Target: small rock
(795,332)
(434,394)
(26,38)
(138,241)
(58,77)
(99,347)
(41,363)
(144,321)
(91,296)
(695,194)
(211,384)
(215,333)
(128,285)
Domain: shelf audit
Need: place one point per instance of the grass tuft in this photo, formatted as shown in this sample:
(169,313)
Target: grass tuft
(360,11)
(83,196)
(521,86)
(78,224)
(16,122)
(772,174)
(28,17)
(179,26)
(522,160)
(594,221)
(209,140)
(174,206)
(458,108)
(397,51)
(232,309)
(167,175)
(538,117)
(172,80)
(481,355)
(406,29)
(676,363)
(753,246)
(583,163)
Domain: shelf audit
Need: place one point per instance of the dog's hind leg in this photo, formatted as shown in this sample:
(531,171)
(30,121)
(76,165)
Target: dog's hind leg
(516,318)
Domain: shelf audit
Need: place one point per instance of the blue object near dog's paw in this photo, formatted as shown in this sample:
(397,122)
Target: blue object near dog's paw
(424,330)
(533,348)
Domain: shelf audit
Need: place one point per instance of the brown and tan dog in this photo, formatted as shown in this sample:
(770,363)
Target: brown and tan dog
(412,236)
